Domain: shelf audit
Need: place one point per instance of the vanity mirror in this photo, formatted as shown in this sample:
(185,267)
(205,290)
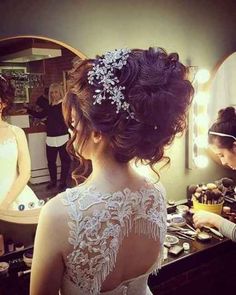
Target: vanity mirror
(222,91)
(222,87)
(32,64)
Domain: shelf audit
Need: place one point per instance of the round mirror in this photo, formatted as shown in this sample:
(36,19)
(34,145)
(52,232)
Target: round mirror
(222,88)
(222,91)
(32,64)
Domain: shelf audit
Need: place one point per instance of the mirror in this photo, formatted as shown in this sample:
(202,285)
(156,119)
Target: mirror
(32,64)
(222,91)
(222,88)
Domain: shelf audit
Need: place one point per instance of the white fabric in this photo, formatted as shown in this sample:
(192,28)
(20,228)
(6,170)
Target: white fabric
(96,237)
(56,141)
(8,174)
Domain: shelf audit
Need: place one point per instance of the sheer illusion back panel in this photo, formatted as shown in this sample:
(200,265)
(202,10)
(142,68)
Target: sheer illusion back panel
(135,257)
(115,237)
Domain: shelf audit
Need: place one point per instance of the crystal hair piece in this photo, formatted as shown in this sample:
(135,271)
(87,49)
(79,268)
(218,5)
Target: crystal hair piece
(221,134)
(103,73)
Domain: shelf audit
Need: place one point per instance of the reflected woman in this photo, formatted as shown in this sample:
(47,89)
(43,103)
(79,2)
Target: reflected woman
(57,136)
(14,158)
(222,139)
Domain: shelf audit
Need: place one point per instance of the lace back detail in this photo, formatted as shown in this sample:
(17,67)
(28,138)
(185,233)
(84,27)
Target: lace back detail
(98,224)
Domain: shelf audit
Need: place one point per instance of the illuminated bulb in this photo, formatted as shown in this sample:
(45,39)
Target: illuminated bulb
(202,120)
(202,76)
(201,141)
(202,98)
(201,161)
(202,130)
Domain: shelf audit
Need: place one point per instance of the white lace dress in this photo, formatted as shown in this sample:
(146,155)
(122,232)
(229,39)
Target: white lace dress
(8,173)
(96,237)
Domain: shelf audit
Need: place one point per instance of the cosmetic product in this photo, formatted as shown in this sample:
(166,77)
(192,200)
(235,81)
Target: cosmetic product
(21,273)
(182,209)
(21,207)
(186,246)
(167,245)
(176,250)
(10,246)
(184,236)
(172,240)
(214,231)
(31,205)
(41,203)
(203,236)
(19,246)
(165,253)
(4,266)
(171,202)
(178,221)
(28,257)
(2,248)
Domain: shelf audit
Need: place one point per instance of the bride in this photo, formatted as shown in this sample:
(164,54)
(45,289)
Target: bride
(106,235)
(14,159)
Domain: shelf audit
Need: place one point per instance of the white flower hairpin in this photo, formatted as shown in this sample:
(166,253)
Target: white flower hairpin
(103,73)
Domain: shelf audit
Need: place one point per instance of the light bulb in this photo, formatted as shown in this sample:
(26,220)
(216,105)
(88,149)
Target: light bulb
(201,161)
(201,141)
(202,98)
(202,76)
(202,120)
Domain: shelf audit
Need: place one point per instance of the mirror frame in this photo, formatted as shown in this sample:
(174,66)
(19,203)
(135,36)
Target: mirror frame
(75,51)
(22,217)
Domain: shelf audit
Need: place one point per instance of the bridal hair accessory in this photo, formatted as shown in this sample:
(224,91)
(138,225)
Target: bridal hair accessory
(103,73)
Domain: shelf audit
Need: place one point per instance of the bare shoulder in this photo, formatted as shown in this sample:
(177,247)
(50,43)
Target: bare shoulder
(54,209)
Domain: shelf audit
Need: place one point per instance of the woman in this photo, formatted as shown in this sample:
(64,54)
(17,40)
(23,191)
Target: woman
(126,105)
(57,135)
(222,139)
(14,159)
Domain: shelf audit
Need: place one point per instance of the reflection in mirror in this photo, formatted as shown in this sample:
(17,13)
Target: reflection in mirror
(222,88)
(222,92)
(32,65)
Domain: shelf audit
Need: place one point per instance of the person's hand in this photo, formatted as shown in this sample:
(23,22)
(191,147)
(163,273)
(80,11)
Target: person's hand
(202,218)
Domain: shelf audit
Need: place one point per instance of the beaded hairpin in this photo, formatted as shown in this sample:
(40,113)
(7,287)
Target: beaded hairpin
(103,73)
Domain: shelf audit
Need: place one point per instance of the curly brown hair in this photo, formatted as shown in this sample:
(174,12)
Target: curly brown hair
(225,124)
(159,94)
(7,93)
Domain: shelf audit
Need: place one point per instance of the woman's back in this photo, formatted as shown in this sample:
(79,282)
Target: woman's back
(116,237)
(122,107)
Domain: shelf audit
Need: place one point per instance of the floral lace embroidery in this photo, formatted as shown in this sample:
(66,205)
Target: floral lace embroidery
(97,234)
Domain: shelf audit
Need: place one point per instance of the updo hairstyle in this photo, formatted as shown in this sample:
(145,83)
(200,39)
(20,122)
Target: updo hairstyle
(158,92)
